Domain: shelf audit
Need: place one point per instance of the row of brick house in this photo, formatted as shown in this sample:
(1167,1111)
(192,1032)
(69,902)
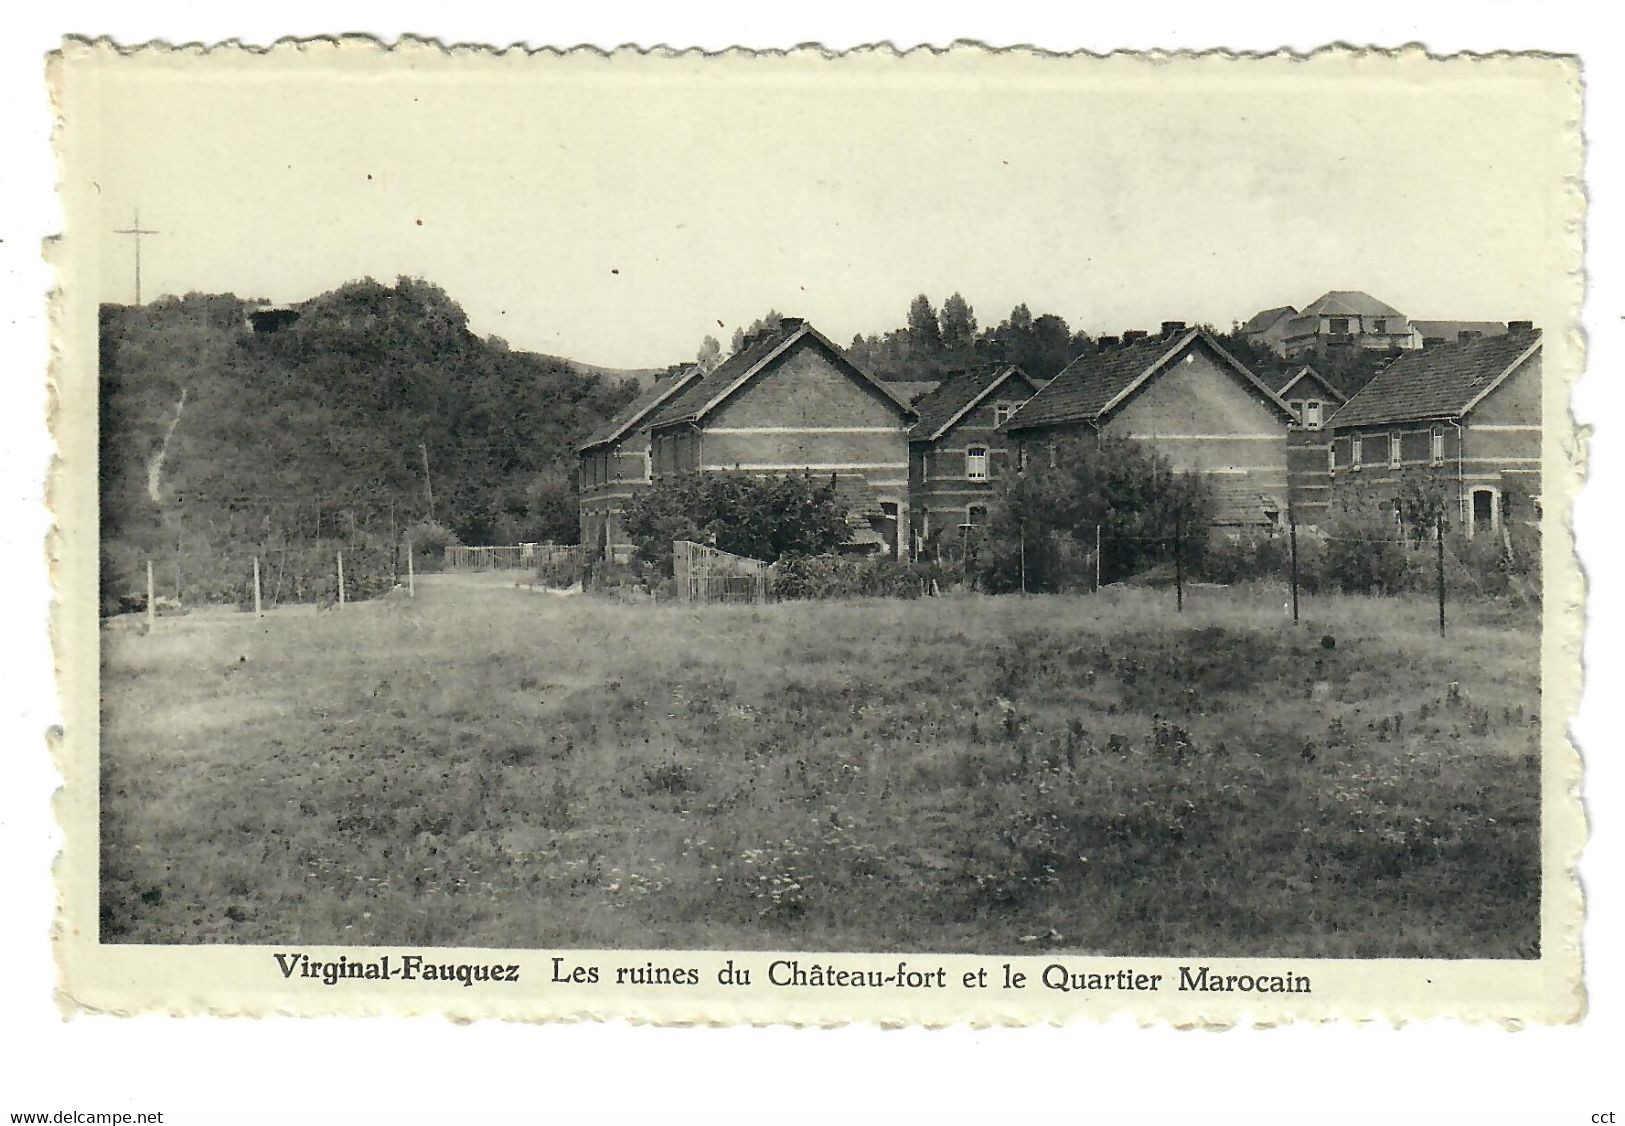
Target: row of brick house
(915,461)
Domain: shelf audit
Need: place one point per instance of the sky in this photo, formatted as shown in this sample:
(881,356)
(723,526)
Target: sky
(616,210)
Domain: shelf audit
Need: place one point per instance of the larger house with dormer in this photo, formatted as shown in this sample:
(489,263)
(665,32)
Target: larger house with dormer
(1183,393)
(790,400)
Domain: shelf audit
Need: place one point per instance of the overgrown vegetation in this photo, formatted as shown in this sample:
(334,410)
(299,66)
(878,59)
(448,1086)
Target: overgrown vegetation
(1085,774)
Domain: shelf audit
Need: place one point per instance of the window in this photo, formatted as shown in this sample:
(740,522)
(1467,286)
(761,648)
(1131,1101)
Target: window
(1297,408)
(1438,446)
(1021,459)
(976,463)
(1311,414)
(1356,450)
(649,464)
(976,514)
(1001,414)
(1378,324)
(1339,324)
(1331,459)
(1395,449)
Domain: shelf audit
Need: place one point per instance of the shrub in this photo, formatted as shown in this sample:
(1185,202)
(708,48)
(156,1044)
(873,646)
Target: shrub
(844,576)
(1254,554)
(760,517)
(429,541)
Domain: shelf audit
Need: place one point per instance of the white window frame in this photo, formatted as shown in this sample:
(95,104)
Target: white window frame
(1297,409)
(1312,416)
(1396,449)
(1331,458)
(1001,414)
(1356,452)
(973,456)
(1436,446)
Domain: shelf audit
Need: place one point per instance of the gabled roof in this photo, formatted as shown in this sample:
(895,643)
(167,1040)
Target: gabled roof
(913,389)
(1095,383)
(1349,303)
(1450,331)
(701,398)
(1262,322)
(1445,381)
(1305,372)
(630,416)
(958,394)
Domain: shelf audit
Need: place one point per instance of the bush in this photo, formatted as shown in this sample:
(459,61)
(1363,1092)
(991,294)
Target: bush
(759,517)
(1252,555)
(429,541)
(844,576)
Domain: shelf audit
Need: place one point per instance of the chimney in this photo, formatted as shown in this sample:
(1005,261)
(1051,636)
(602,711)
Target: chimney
(1516,328)
(787,325)
(1134,334)
(1105,342)
(1468,334)
(1172,328)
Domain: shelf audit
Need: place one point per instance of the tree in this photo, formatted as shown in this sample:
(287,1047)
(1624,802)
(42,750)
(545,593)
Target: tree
(769,320)
(760,517)
(710,352)
(923,331)
(1145,509)
(958,326)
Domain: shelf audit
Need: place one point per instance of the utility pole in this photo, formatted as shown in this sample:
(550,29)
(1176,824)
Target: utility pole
(428,488)
(136,230)
(1179,563)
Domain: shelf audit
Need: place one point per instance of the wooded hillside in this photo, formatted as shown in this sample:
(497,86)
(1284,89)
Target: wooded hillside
(320,427)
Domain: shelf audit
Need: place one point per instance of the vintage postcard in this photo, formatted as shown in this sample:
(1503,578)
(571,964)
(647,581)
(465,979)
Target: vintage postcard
(964,536)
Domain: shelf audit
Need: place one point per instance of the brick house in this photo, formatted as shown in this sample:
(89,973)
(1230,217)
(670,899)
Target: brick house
(1468,413)
(1312,401)
(614,463)
(1183,393)
(957,450)
(791,400)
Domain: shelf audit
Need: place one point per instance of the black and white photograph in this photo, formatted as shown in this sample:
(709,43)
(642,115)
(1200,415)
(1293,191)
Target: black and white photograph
(929,505)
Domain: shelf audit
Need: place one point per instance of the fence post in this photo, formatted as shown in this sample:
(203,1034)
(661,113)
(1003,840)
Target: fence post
(257,586)
(1439,540)
(1097,556)
(341,578)
(411,577)
(1292,531)
(1023,557)
(152,611)
(1179,566)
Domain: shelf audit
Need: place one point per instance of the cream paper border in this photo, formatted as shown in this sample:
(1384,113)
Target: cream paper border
(246,981)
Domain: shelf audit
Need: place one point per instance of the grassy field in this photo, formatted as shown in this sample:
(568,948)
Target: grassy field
(493,767)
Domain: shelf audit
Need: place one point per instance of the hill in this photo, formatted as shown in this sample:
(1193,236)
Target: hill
(222,426)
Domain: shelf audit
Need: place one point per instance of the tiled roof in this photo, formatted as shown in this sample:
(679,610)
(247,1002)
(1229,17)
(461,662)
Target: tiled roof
(1304,371)
(1262,321)
(627,418)
(955,394)
(1437,382)
(913,390)
(1093,382)
(1450,331)
(1349,302)
(692,403)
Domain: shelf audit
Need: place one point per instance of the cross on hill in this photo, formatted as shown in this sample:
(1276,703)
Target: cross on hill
(137,230)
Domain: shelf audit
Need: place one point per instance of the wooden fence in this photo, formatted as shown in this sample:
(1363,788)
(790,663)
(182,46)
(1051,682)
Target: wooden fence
(706,575)
(517,557)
